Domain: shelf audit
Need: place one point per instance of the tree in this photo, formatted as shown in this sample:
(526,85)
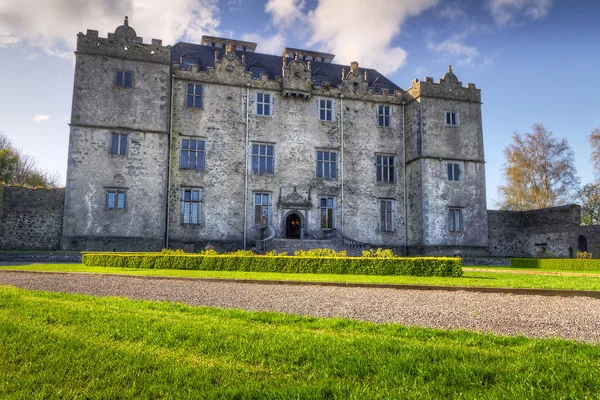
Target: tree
(589,199)
(539,171)
(595,142)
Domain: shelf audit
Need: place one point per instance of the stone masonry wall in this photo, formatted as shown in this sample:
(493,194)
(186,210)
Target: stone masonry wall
(30,219)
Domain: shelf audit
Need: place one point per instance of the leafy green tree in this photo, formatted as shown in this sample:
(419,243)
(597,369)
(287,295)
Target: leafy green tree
(539,171)
(589,199)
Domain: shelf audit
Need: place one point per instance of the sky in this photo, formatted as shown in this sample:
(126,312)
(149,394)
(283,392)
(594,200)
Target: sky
(536,61)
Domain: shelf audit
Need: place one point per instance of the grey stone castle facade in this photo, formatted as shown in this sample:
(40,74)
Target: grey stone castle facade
(191,144)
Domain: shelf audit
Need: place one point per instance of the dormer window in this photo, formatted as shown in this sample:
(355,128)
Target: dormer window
(186,63)
(380,86)
(320,80)
(257,72)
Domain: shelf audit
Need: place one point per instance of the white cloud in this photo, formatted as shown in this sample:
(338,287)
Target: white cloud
(285,12)
(41,117)
(452,11)
(269,45)
(361,31)
(55,23)
(455,46)
(505,11)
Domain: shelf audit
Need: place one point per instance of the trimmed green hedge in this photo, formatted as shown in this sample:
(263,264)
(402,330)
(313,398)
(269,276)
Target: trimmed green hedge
(567,264)
(426,266)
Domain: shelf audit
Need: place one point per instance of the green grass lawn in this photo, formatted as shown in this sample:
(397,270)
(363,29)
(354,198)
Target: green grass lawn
(480,279)
(72,346)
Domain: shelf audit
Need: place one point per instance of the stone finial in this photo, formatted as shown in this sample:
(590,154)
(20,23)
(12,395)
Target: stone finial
(308,65)
(126,22)
(296,56)
(450,69)
(343,73)
(243,59)
(229,49)
(353,66)
(217,55)
(366,76)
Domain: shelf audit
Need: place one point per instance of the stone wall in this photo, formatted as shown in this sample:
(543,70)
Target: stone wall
(30,219)
(524,233)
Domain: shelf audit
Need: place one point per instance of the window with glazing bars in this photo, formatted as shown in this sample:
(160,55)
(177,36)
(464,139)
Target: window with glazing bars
(453,171)
(262,212)
(190,205)
(116,199)
(262,159)
(257,72)
(124,79)
(386,215)
(186,63)
(327,164)
(192,154)
(194,96)
(263,104)
(327,206)
(455,220)
(383,115)
(118,144)
(451,118)
(386,170)
(326,110)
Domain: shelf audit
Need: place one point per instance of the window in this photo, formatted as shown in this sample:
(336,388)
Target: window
(186,63)
(118,144)
(257,72)
(383,115)
(386,169)
(192,154)
(455,220)
(320,80)
(194,96)
(190,205)
(326,110)
(263,104)
(327,164)
(386,215)
(451,118)
(262,209)
(380,86)
(453,171)
(116,199)
(124,79)
(327,205)
(262,159)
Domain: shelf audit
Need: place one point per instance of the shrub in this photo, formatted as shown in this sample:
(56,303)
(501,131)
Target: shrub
(320,253)
(171,251)
(564,264)
(584,255)
(429,266)
(543,253)
(379,253)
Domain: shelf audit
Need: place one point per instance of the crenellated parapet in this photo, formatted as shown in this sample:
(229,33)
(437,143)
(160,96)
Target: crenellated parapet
(123,43)
(447,87)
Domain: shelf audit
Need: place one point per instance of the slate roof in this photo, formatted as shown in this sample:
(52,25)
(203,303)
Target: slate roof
(206,58)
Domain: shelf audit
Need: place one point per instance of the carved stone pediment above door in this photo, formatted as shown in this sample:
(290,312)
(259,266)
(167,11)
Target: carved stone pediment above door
(294,200)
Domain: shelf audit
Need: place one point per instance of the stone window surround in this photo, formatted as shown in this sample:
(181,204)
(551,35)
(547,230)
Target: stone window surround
(265,209)
(448,114)
(193,203)
(124,74)
(264,103)
(455,214)
(387,215)
(327,164)
(326,109)
(452,168)
(328,212)
(383,165)
(120,138)
(266,156)
(194,96)
(382,116)
(197,151)
(115,193)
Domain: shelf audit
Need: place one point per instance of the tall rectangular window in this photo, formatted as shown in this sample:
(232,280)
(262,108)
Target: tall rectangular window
(116,199)
(451,118)
(262,209)
(118,144)
(124,79)
(257,72)
(386,169)
(455,220)
(383,115)
(326,110)
(263,104)
(327,206)
(192,154)
(327,164)
(190,205)
(453,171)
(194,96)
(262,159)
(386,215)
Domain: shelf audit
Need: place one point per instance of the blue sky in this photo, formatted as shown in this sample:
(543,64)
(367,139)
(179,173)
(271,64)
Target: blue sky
(536,61)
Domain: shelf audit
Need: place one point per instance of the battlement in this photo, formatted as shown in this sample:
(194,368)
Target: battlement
(447,87)
(123,43)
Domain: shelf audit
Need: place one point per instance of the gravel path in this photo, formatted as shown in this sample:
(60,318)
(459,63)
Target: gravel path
(536,316)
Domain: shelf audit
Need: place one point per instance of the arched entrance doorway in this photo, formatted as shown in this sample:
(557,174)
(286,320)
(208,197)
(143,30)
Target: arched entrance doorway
(293,226)
(582,243)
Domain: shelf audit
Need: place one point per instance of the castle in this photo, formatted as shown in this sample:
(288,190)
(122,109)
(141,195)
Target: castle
(191,144)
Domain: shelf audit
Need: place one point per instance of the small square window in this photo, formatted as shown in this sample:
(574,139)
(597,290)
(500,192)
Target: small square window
(192,154)
(455,220)
(452,118)
(263,104)
(257,72)
(194,96)
(116,199)
(326,110)
(453,172)
(383,115)
(124,79)
(320,80)
(118,144)
(186,63)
